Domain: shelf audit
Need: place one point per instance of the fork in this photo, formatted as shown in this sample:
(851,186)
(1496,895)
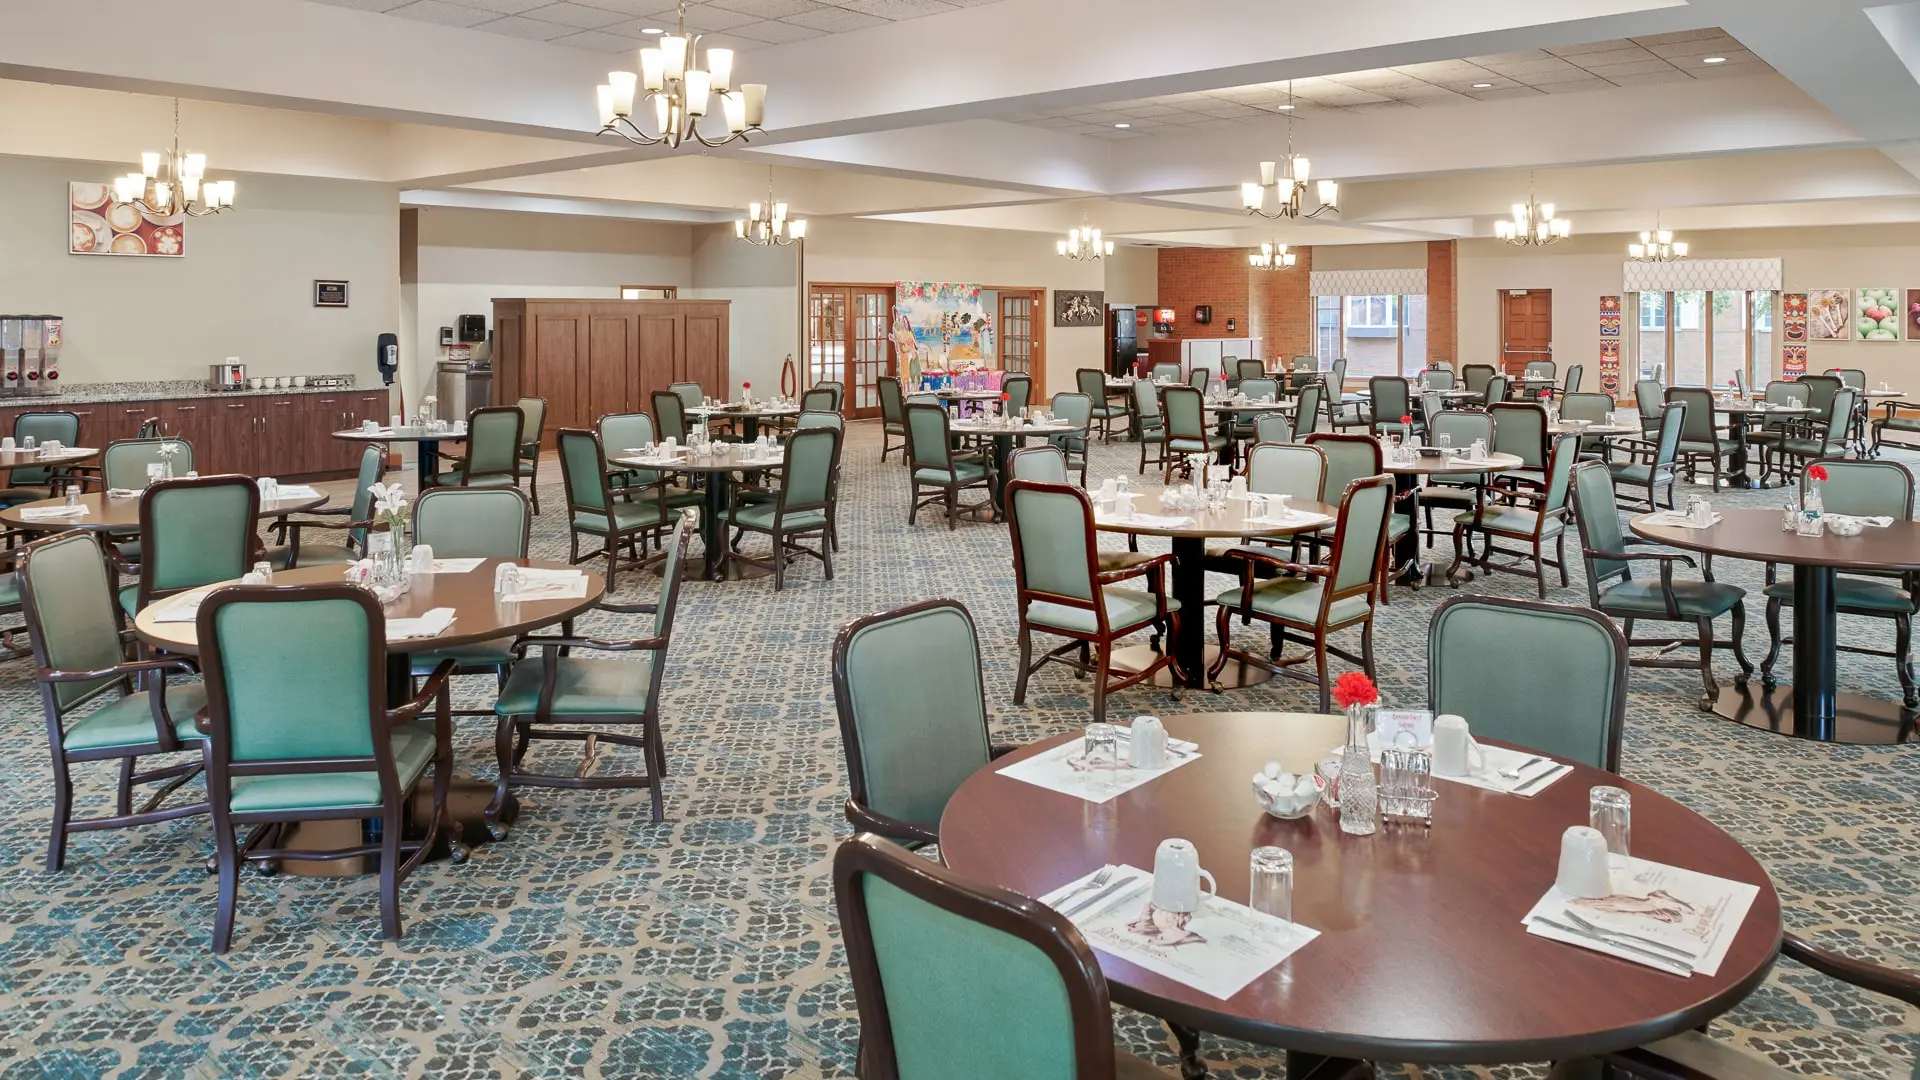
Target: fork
(1514,773)
(1105,875)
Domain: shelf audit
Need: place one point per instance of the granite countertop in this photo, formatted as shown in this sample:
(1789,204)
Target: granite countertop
(159,390)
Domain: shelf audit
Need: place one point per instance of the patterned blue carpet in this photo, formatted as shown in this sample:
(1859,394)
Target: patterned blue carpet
(595,943)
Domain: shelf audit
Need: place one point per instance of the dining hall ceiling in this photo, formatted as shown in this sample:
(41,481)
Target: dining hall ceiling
(1002,114)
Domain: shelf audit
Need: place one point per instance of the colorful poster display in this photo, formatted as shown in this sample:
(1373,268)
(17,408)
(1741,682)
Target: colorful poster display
(1610,345)
(939,325)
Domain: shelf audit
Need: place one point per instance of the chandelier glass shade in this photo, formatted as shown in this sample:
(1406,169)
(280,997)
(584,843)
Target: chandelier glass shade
(1272,257)
(679,95)
(1533,223)
(1084,244)
(1289,185)
(172,182)
(1657,246)
(766,223)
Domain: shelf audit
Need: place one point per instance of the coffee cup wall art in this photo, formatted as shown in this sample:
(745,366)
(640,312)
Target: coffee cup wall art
(104,227)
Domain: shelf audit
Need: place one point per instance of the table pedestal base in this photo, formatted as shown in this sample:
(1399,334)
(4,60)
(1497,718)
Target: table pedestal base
(467,801)
(1857,720)
(1236,675)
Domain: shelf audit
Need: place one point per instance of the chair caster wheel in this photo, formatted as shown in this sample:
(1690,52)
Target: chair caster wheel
(458,852)
(266,869)
(213,864)
(497,830)
(1740,682)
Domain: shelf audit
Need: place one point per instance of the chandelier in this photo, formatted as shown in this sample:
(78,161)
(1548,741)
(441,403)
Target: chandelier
(766,224)
(1533,223)
(170,182)
(680,94)
(1290,187)
(1657,246)
(1084,244)
(1272,257)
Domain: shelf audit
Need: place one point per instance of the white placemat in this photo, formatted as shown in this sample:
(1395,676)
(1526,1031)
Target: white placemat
(1063,769)
(1292,519)
(52,513)
(1678,519)
(1664,917)
(432,624)
(540,584)
(1535,772)
(1148,521)
(182,608)
(453,566)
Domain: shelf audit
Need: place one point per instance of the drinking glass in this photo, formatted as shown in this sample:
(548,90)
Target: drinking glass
(1329,770)
(1610,810)
(1270,883)
(1445,441)
(1102,752)
(264,569)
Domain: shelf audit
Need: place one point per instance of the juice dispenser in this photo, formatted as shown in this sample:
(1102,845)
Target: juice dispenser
(12,352)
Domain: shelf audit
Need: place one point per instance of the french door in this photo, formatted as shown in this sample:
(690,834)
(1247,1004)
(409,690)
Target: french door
(1023,337)
(849,341)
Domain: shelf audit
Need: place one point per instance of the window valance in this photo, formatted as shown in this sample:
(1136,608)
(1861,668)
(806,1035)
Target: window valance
(1369,282)
(1703,274)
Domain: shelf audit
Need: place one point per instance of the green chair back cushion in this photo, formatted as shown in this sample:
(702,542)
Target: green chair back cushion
(670,415)
(1019,391)
(915,699)
(1495,664)
(124,464)
(1186,412)
(192,536)
(1594,407)
(1047,464)
(42,426)
(1053,542)
(580,467)
(1307,411)
(1865,489)
(296,678)
(493,441)
(1286,469)
(809,470)
(892,405)
(1599,515)
(73,616)
(468,523)
(927,437)
(1360,535)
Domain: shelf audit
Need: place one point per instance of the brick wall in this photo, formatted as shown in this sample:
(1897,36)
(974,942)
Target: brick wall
(1283,318)
(1443,307)
(1190,277)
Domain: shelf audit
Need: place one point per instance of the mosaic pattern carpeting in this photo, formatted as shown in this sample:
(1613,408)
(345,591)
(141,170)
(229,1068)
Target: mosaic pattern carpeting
(594,943)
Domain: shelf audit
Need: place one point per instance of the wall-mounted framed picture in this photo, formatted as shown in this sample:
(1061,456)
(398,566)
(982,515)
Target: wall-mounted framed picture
(1073,307)
(104,227)
(1829,315)
(1876,314)
(329,294)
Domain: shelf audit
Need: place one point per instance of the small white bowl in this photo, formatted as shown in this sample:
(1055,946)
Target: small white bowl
(1287,805)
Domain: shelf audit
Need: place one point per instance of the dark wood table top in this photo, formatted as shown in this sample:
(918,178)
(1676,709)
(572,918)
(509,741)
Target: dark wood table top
(116,514)
(1453,465)
(729,461)
(1230,522)
(478,616)
(34,459)
(403,434)
(1421,955)
(1756,534)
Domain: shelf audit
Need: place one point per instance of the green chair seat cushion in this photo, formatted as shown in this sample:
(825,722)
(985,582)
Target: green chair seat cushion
(9,591)
(1808,447)
(1180,444)
(1294,599)
(966,472)
(1858,593)
(1126,608)
(130,599)
(1108,412)
(1898,423)
(322,554)
(452,479)
(1509,520)
(128,721)
(412,753)
(526,468)
(760,516)
(581,687)
(1397,527)
(1698,446)
(626,515)
(1635,473)
(1641,597)
(494,652)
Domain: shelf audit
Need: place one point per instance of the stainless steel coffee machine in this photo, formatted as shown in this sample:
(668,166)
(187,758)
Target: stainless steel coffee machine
(29,354)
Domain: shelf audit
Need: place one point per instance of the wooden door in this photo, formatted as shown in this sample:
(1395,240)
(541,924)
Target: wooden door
(704,351)
(850,341)
(1023,337)
(659,347)
(1526,328)
(559,342)
(506,351)
(827,333)
(611,349)
(320,416)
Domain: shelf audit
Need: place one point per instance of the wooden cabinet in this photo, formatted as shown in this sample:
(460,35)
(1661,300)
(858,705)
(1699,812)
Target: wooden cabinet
(235,435)
(593,357)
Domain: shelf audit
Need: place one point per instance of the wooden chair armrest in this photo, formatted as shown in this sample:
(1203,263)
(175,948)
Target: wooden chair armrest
(1898,985)
(1000,750)
(555,641)
(1266,557)
(872,821)
(130,667)
(627,609)
(1108,577)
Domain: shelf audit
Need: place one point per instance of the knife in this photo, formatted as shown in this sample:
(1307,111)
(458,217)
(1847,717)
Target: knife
(1555,771)
(1099,896)
(1594,928)
(1146,884)
(1658,960)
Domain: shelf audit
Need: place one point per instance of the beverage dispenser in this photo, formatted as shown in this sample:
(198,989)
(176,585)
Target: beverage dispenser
(13,330)
(42,362)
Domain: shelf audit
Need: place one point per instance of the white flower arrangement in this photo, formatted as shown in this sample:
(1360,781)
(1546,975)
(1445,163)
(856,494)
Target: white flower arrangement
(168,450)
(390,506)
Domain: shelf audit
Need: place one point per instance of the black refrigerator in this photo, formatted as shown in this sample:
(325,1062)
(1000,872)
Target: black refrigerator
(1123,340)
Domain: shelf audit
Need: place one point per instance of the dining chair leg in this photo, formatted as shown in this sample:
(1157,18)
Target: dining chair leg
(1773,643)
(1222,627)
(1739,628)
(123,795)
(1366,648)
(62,813)
(227,858)
(953,510)
(1026,664)
(1710,690)
(1902,641)
(1320,665)
(1560,554)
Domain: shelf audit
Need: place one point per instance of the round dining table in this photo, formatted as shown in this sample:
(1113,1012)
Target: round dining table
(121,513)
(1002,437)
(1408,568)
(719,470)
(38,459)
(1741,412)
(749,416)
(1421,954)
(1813,707)
(1230,412)
(426,458)
(478,616)
(1189,584)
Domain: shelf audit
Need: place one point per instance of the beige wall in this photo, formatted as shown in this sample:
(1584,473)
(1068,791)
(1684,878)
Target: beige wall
(244,287)
(1133,276)
(1370,257)
(763,286)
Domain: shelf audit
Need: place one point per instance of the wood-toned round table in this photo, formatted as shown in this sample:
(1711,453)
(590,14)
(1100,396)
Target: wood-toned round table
(1813,707)
(749,417)
(975,427)
(1189,586)
(1421,955)
(34,459)
(1410,570)
(114,514)
(1229,412)
(1739,413)
(426,457)
(719,472)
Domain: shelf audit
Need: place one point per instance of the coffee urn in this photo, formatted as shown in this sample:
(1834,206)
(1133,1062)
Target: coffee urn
(29,354)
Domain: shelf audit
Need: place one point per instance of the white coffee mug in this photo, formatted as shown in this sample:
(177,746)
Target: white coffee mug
(7,443)
(1177,876)
(420,560)
(1454,751)
(1147,743)
(253,384)
(395,421)
(300,381)
(1584,872)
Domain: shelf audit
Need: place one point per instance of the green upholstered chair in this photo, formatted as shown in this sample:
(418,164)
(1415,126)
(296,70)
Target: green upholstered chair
(1457,492)
(1653,464)
(817,399)
(1648,397)
(1700,438)
(1061,591)
(1820,391)
(1273,427)
(689,393)
(533,427)
(1473,377)
(1306,412)
(801,507)
(94,711)
(472,523)
(1019,391)
(839,391)
(1250,369)
(670,416)
(1080,411)
(592,509)
(1858,489)
(820,418)
(1309,603)
(1437,378)
(1200,378)
(1392,399)
(1540,369)
(1499,387)
(913,714)
(893,417)
(549,698)
(193,532)
(1594,409)
(292,548)
(1246,425)
(1491,660)
(1612,587)
(40,482)
(1576,374)
(953,978)
(1151,424)
(817,419)
(1092,384)
(1898,425)
(1773,429)
(123,464)
(631,431)
(1046,464)
(933,463)
(1350,458)
(1520,429)
(1187,429)
(1291,469)
(494,448)
(1166,373)
(1824,435)
(1527,517)
(305,734)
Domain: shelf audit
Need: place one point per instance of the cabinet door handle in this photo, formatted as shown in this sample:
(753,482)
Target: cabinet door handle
(185,408)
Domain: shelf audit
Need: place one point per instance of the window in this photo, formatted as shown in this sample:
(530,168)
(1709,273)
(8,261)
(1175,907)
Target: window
(1699,338)
(1377,335)
(1653,311)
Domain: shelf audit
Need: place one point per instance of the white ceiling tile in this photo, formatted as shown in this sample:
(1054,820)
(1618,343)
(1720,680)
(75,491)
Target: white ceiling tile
(1611,56)
(1510,58)
(579,16)
(701,18)
(1681,35)
(600,41)
(1711,46)
(1381,106)
(769,9)
(1525,68)
(630,8)
(835,20)
(1638,67)
(434,11)
(1549,78)
(1574,86)
(517,26)
(897,9)
(1731,67)
(371,5)
(1648,78)
(1590,47)
(1502,93)
(779,33)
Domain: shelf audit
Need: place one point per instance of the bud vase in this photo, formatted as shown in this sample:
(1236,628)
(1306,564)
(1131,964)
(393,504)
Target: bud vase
(1359,793)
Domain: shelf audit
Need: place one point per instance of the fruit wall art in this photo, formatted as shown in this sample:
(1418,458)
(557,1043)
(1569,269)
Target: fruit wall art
(1913,314)
(1876,314)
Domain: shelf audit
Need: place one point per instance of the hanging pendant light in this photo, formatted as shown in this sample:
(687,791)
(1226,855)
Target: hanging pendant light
(680,94)
(766,224)
(1272,256)
(1533,224)
(172,182)
(1289,187)
(1657,246)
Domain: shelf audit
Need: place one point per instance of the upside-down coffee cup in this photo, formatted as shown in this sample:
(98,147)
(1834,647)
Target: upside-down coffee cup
(1454,751)
(1177,876)
(1584,872)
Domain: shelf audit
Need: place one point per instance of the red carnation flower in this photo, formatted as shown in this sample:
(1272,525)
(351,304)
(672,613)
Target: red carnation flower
(1406,419)
(1817,472)
(1354,688)
(746,386)
(1004,396)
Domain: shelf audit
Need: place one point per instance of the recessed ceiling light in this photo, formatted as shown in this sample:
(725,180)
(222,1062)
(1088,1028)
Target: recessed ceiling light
(1286,108)
(1123,125)
(653,30)
(1714,60)
(1483,86)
